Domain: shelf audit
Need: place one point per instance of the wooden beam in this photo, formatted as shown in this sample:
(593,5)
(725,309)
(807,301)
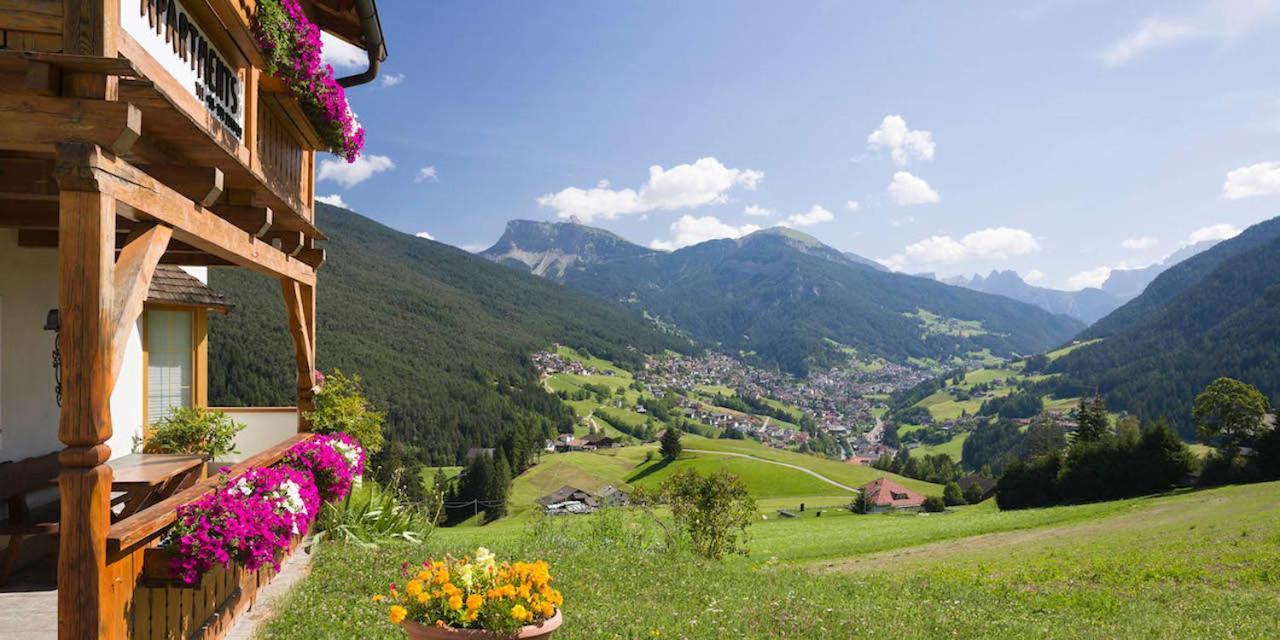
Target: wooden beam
(195,260)
(85,264)
(299,301)
(254,220)
(202,184)
(28,214)
(290,242)
(70,62)
(142,198)
(44,79)
(131,282)
(312,257)
(43,121)
(48,238)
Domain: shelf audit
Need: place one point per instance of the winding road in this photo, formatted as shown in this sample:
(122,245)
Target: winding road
(780,464)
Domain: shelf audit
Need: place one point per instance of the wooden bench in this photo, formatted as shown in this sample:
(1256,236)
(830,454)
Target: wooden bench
(18,479)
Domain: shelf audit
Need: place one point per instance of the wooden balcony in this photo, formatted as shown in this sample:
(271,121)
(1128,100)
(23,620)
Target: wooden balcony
(135,133)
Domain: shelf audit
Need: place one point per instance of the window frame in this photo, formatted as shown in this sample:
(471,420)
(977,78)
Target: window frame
(199,354)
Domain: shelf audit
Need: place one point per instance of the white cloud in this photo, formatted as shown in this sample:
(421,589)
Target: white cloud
(907,189)
(1090,278)
(685,186)
(1035,276)
(902,142)
(425,235)
(815,215)
(427,173)
(350,174)
(689,230)
(1219,20)
(1222,231)
(473,247)
(1140,242)
(1262,179)
(335,200)
(341,54)
(390,80)
(998,243)
(758,211)
(852,205)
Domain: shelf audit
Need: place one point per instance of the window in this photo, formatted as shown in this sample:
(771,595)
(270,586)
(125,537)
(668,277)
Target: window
(171,361)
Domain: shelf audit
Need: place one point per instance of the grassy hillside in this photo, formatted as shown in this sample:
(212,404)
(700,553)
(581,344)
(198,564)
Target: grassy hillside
(1187,565)
(773,485)
(440,336)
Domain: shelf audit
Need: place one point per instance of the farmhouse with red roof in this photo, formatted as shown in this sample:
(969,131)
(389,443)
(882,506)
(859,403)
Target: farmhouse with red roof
(885,494)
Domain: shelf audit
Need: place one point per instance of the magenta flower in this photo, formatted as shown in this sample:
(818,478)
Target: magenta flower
(292,47)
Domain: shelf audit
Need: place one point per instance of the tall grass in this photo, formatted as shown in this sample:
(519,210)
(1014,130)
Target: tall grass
(371,515)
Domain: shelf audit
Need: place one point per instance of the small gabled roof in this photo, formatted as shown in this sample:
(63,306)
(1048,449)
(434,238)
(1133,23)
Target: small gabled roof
(172,285)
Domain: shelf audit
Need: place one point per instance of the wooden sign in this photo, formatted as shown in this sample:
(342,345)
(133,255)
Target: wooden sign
(167,31)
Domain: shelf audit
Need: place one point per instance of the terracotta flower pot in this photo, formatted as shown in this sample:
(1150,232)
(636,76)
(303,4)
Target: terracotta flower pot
(417,631)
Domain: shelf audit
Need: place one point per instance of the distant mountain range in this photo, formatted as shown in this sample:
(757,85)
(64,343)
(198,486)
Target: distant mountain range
(781,297)
(1214,314)
(441,336)
(1087,305)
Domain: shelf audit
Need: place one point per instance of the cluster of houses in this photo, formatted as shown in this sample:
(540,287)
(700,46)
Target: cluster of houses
(569,500)
(551,362)
(568,442)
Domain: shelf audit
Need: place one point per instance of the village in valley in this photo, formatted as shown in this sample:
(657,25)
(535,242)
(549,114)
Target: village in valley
(840,407)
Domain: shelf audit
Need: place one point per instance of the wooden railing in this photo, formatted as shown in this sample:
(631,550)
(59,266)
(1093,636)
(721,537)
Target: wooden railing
(146,525)
(285,165)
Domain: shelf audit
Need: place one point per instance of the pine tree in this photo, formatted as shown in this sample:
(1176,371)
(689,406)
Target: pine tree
(496,495)
(670,446)
(1093,420)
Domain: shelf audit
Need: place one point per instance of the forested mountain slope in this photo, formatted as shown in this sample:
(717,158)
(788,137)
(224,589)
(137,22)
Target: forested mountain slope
(1216,314)
(780,297)
(440,336)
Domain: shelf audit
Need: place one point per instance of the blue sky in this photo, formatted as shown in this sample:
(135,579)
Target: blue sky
(1060,138)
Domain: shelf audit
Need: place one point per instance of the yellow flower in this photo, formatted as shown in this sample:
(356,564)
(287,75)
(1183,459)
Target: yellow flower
(378,597)
(548,610)
(475,601)
(518,612)
(470,616)
(424,575)
(413,588)
(423,598)
(455,602)
(442,576)
(397,613)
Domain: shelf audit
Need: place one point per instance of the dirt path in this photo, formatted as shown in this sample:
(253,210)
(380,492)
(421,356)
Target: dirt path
(780,464)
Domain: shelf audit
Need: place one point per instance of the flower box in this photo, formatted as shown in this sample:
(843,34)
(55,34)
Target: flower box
(543,629)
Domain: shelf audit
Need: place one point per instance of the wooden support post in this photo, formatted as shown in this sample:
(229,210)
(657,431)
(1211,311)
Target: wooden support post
(300,303)
(201,184)
(86,256)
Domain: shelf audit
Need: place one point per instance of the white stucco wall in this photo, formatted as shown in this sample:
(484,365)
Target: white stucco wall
(28,411)
(265,427)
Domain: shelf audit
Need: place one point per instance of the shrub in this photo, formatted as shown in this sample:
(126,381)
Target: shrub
(371,515)
(934,504)
(341,407)
(714,510)
(952,495)
(973,494)
(1032,483)
(193,430)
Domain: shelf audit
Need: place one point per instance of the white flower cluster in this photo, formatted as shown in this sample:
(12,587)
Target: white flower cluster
(289,496)
(350,453)
(486,561)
